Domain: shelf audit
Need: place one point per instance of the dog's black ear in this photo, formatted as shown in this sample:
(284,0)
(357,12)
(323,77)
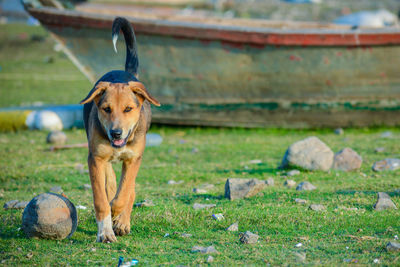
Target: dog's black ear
(138,88)
(96,91)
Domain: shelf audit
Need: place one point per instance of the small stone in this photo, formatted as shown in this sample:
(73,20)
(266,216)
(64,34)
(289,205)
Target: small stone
(172,182)
(87,187)
(387,134)
(145,203)
(249,238)
(384,202)
(300,201)
(310,154)
(198,206)
(218,216)
(21,205)
(10,204)
(300,256)
(388,164)
(379,150)
(185,235)
(93,249)
(317,207)
(204,250)
(199,191)
(376,260)
(393,247)
(29,255)
(237,188)
(290,183)
(339,131)
(255,161)
(293,173)
(56,138)
(269,182)
(347,160)
(305,186)
(234,227)
(210,259)
(56,189)
(153,140)
(80,207)
(195,150)
(48,59)
(298,245)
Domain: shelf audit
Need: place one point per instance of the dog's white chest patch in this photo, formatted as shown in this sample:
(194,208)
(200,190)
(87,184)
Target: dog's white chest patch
(122,154)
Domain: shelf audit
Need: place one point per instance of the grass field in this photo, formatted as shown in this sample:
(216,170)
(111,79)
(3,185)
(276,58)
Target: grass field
(333,237)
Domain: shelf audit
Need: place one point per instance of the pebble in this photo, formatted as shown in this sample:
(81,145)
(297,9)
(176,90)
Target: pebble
(203,189)
(255,161)
(199,191)
(293,173)
(56,138)
(172,182)
(195,150)
(290,183)
(347,160)
(249,238)
(393,247)
(56,189)
(210,259)
(305,186)
(317,207)
(15,204)
(298,245)
(204,250)
(198,206)
(153,140)
(379,150)
(389,164)
(387,134)
(145,203)
(269,182)
(234,227)
(237,188)
(384,202)
(310,154)
(80,207)
(218,216)
(339,131)
(185,235)
(300,201)
(87,187)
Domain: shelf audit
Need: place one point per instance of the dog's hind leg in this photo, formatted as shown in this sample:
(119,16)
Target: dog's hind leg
(111,182)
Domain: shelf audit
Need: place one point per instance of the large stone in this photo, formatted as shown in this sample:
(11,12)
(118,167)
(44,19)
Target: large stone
(237,188)
(249,238)
(310,154)
(56,137)
(15,204)
(384,202)
(347,160)
(49,216)
(305,186)
(386,165)
(393,247)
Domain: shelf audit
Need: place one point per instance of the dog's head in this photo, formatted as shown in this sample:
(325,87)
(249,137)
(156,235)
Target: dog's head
(119,106)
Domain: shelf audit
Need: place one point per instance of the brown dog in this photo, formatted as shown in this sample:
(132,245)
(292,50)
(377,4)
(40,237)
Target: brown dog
(117,116)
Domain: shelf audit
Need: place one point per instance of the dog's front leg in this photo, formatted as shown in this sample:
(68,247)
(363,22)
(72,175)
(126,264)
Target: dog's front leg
(102,208)
(122,204)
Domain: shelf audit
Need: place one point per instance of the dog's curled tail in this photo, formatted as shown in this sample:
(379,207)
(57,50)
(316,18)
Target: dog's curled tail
(132,61)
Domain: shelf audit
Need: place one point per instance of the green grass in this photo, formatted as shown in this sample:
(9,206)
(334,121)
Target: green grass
(29,169)
(328,238)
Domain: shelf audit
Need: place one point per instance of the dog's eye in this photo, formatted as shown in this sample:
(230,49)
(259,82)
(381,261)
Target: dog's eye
(127,109)
(107,110)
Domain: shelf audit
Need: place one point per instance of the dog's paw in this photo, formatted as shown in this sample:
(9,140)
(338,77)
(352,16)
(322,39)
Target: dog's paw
(105,233)
(122,224)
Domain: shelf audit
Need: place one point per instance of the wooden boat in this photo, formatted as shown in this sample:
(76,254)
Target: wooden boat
(241,72)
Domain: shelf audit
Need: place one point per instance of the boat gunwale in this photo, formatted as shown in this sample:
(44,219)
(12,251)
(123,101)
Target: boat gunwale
(259,36)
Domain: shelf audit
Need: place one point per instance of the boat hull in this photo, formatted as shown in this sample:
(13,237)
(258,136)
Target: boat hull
(221,82)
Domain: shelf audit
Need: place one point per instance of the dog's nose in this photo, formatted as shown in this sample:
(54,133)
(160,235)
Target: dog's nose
(116,134)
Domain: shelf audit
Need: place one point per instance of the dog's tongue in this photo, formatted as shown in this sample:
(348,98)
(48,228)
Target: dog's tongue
(118,142)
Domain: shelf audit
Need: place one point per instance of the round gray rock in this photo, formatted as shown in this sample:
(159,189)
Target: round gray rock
(347,160)
(56,137)
(310,154)
(49,216)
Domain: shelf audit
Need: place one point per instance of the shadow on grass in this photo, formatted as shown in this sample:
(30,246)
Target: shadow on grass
(352,192)
(189,199)
(249,170)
